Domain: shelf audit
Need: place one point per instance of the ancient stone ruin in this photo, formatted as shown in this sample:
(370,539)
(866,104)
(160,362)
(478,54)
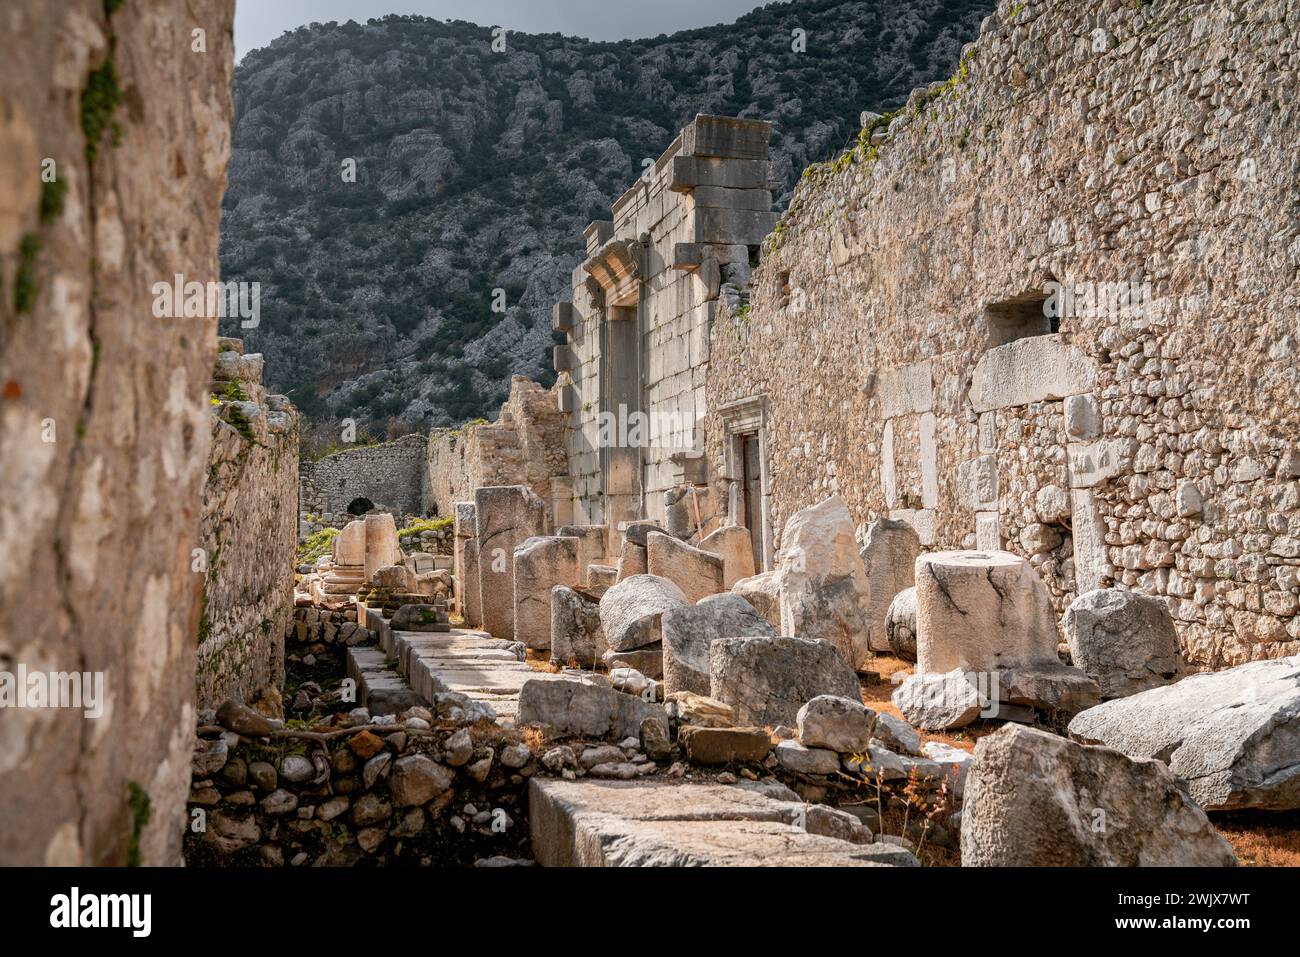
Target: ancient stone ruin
(921,524)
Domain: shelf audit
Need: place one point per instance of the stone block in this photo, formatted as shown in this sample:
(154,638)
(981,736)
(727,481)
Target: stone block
(689,630)
(977,483)
(727,198)
(767,680)
(540,564)
(1092,463)
(726,137)
(732,544)
(724,745)
(696,572)
(382,547)
(576,632)
(687,173)
(505,516)
(763,591)
(562,316)
(905,390)
(571,706)
(981,611)
(1030,370)
(745,227)
(889,555)
(1082,420)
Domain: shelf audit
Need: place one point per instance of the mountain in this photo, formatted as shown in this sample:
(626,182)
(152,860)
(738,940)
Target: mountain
(476,171)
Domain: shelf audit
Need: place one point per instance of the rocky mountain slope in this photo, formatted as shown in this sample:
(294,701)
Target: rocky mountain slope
(477,170)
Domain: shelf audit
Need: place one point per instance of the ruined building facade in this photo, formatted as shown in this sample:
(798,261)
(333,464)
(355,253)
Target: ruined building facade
(1042,307)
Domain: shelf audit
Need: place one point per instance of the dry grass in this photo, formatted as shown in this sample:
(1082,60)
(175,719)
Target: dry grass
(541,661)
(1262,838)
(876,695)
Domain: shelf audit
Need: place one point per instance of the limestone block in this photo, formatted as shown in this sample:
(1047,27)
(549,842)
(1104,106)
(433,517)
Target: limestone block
(1030,370)
(350,544)
(1092,463)
(690,512)
(1092,567)
(381,542)
(763,591)
(1125,640)
(726,137)
(843,725)
(730,198)
(767,680)
(632,561)
(732,544)
(941,702)
(1082,420)
(541,564)
(689,630)
(1231,735)
(601,578)
(690,172)
(591,542)
(823,585)
(1029,795)
(905,390)
(977,483)
(469,585)
(504,517)
(696,572)
(980,611)
(988,531)
(579,707)
(576,632)
(745,227)
(889,556)
(631,611)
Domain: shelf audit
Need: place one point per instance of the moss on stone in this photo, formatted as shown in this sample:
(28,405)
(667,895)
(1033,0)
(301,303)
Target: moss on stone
(99,99)
(141,810)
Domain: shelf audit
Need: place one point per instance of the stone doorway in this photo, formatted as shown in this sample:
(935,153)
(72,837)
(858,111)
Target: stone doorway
(360,506)
(745,426)
(751,492)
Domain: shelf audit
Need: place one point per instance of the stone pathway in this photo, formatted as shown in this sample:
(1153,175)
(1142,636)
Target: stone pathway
(600,823)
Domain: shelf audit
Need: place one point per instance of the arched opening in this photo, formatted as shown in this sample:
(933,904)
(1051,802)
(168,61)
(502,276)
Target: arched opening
(359,506)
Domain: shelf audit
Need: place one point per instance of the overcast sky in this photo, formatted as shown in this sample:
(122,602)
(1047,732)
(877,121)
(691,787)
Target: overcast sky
(258,22)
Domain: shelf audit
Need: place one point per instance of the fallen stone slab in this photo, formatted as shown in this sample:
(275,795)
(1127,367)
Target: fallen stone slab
(1051,687)
(824,589)
(724,745)
(1035,799)
(648,823)
(793,756)
(689,630)
(574,707)
(693,709)
(696,572)
(1124,640)
(1232,735)
(767,680)
(630,612)
(732,544)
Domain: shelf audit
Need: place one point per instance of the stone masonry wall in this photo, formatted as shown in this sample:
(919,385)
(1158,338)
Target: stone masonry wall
(104,425)
(897,343)
(524,446)
(390,475)
(250,534)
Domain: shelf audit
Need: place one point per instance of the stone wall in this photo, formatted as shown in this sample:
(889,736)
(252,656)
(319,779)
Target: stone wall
(897,349)
(524,446)
(104,425)
(632,368)
(390,476)
(250,533)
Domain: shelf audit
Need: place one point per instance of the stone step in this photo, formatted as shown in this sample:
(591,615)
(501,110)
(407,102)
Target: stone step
(591,823)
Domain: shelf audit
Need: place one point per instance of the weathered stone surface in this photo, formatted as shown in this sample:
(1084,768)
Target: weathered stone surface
(696,572)
(979,611)
(648,660)
(896,734)
(1050,686)
(688,631)
(576,631)
(540,564)
(889,556)
(794,756)
(465,556)
(1030,370)
(900,625)
(763,591)
(504,516)
(1126,641)
(1034,799)
(824,589)
(1233,736)
(631,611)
(570,706)
(417,779)
(631,824)
(732,544)
(767,680)
(938,702)
(693,709)
(839,724)
(632,561)
(382,548)
(592,541)
(704,745)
